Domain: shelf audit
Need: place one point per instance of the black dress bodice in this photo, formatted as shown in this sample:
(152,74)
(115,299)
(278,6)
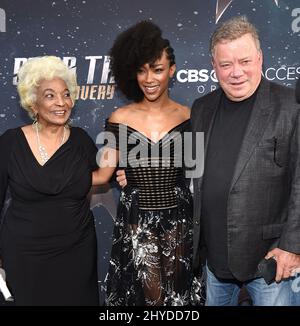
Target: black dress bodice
(154,168)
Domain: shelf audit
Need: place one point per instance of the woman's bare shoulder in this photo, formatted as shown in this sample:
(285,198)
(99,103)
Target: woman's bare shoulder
(120,115)
(123,114)
(183,110)
(186,110)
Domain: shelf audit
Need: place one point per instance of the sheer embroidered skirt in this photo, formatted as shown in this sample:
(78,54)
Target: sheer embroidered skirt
(151,257)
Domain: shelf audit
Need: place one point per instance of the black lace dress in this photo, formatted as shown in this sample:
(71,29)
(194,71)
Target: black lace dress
(151,257)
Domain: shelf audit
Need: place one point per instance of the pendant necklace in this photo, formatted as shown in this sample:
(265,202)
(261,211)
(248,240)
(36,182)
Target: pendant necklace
(42,150)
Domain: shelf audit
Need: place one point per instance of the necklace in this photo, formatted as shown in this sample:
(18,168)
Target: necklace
(43,153)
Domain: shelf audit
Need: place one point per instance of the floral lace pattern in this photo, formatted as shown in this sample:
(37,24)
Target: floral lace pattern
(151,261)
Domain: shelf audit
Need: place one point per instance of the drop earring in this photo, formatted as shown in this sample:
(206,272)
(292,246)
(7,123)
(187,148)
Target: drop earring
(35,116)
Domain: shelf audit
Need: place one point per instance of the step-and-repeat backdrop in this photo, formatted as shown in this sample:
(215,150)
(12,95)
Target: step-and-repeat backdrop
(82,32)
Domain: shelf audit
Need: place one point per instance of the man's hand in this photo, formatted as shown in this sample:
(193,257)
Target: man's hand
(287,263)
(121,178)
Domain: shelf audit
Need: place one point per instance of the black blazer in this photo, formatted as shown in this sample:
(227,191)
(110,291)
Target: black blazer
(264,199)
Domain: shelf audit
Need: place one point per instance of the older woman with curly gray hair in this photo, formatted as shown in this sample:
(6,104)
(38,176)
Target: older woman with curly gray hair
(48,240)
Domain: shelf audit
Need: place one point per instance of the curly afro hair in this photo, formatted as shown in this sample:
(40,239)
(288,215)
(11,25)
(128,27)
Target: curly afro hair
(139,44)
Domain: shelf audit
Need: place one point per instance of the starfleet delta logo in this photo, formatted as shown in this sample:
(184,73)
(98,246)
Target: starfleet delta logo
(98,82)
(222,5)
(2,20)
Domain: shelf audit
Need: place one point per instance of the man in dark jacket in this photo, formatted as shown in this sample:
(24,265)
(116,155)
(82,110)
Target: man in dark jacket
(248,200)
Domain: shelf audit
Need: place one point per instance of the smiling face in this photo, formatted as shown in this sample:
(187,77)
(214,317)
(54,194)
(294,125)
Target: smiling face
(53,102)
(153,79)
(238,66)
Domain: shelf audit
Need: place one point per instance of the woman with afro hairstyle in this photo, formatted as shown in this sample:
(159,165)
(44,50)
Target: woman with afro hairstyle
(151,257)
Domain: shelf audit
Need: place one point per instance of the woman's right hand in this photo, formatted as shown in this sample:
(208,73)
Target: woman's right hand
(121,178)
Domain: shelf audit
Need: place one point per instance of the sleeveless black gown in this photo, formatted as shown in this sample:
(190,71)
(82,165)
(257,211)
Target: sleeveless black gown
(151,257)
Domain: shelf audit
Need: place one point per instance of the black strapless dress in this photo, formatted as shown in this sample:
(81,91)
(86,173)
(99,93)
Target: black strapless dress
(151,257)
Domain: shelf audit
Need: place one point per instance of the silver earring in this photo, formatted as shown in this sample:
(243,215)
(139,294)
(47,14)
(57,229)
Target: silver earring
(68,123)
(35,118)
